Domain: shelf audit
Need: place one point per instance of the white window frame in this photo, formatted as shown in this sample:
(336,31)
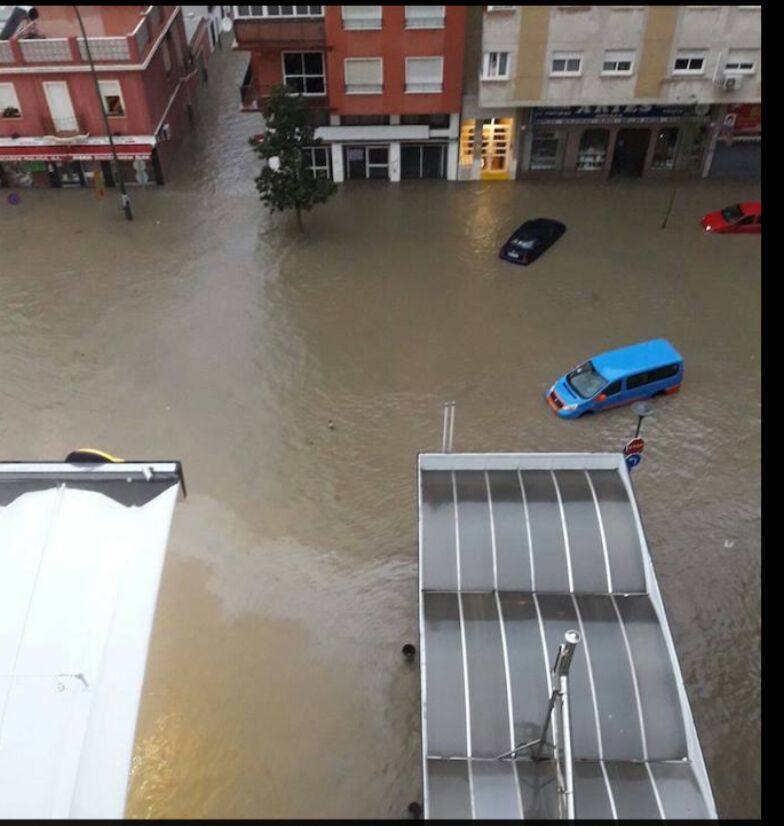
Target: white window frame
(437,86)
(115,84)
(265,13)
(378,91)
(313,166)
(422,21)
(363,22)
(614,56)
(501,8)
(13,101)
(690,54)
(566,57)
(740,65)
(323,74)
(486,66)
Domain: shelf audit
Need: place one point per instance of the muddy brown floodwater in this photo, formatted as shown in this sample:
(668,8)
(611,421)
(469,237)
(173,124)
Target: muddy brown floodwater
(210,332)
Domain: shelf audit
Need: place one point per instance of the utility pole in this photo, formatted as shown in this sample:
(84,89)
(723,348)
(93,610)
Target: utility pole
(124,199)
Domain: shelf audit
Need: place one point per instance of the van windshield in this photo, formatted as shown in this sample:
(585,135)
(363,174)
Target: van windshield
(586,381)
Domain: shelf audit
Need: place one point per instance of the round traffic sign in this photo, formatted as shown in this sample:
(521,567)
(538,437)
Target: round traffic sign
(642,408)
(636,445)
(633,460)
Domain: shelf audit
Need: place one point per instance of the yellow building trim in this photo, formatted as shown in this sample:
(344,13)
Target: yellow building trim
(657,41)
(531,51)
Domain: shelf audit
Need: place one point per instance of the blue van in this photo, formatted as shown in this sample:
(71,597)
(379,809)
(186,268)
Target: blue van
(652,368)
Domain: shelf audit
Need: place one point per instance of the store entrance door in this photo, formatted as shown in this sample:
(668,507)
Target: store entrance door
(356,163)
(70,173)
(631,147)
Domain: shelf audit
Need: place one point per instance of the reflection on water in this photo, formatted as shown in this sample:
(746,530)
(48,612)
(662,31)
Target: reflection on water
(207,331)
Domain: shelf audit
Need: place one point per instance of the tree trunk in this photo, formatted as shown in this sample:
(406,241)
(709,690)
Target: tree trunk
(299,220)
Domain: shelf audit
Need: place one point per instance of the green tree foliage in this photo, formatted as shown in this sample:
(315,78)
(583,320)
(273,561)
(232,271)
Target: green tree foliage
(289,130)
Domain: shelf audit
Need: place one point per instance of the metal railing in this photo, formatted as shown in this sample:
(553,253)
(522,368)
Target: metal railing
(562,728)
(449,427)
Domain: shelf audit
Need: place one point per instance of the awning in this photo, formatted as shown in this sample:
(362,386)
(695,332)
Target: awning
(74,152)
(81,554)
(516,550)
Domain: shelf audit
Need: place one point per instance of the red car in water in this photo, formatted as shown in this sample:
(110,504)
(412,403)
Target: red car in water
(745,217)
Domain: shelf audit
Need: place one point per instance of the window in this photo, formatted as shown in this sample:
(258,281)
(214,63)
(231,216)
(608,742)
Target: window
(545,150)
(112,98)
(732,213)
(424,74)
(566,64)
(593,149)
(425,17)
(364,75)
(9,102)
(378,162)
(689,62)
(166,57)
(303,72)
(437,121)
(612,389)
(364,120)
(361,17)
(467,135)
(618,62)
(585,380)
(741,61)
(315,160)
(664,151)
(279,11)
(662,373)
(637,381)
(495,66)
(500,8)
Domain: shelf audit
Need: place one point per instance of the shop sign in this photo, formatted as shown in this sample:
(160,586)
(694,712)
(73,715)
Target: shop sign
(633,113)
(746,117)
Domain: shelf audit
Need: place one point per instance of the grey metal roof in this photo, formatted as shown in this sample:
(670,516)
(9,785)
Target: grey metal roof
(516,549)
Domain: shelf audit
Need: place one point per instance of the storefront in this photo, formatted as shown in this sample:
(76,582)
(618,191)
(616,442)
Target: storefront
(487,149)
(603,141)
(738,150)
(33,164)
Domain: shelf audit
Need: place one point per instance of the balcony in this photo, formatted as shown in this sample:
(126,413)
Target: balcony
(34,44)
(258,33)
(63,127)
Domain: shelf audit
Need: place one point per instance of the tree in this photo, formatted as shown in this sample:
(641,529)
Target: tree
(287,184)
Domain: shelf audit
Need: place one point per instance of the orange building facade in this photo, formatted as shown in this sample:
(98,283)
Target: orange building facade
(384,83)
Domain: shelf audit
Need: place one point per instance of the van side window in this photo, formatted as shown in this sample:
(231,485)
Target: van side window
(664,372)
(636,381)
(612,389)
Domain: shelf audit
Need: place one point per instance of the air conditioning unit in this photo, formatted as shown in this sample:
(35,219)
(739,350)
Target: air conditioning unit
(730,83)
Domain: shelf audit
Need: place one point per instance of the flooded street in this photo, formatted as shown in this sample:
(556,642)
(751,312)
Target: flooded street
(208,331)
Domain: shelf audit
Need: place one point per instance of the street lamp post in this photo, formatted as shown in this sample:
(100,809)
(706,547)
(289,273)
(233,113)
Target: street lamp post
(124,199)
(642,409)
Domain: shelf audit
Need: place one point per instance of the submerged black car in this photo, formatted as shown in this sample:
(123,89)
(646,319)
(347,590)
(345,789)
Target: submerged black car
(531,239)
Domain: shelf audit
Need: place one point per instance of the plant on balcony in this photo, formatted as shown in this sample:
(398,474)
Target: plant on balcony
(287,183)
(11,112)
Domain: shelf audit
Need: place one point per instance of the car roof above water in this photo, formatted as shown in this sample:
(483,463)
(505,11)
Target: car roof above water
(536,224)
(647,355)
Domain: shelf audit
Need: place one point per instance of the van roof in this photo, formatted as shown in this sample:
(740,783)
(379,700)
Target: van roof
(647,355)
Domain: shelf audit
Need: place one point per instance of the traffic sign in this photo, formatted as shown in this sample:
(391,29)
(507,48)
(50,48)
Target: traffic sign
(636,445)
(633,460)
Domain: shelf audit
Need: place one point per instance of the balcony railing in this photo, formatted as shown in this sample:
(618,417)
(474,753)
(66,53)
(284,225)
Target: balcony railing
(280,32)
(26,50)
(63,127)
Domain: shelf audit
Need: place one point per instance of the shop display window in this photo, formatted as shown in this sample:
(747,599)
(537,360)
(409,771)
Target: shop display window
(545,150)
(592,153)
(664,152)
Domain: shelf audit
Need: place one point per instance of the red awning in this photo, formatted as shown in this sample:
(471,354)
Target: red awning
(74,152)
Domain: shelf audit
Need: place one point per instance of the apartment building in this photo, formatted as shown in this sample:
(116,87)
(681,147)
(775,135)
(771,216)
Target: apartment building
(384,83)
(52,131)
(598,91)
